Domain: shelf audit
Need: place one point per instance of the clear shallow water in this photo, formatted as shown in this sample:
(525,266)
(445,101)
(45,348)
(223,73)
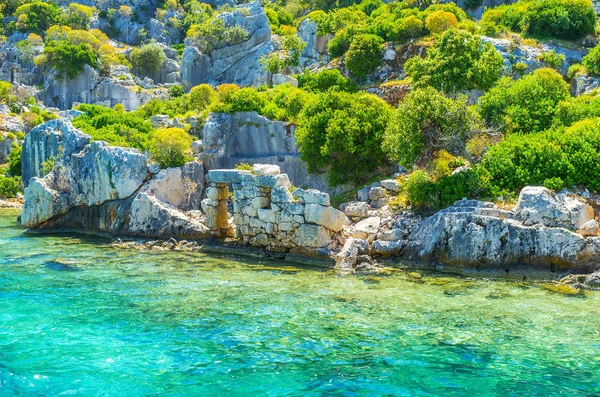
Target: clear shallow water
(80,318)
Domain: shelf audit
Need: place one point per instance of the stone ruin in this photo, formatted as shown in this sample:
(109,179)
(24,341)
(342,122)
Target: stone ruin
(268,212)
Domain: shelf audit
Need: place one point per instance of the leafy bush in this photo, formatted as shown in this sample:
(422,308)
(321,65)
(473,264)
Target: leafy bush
(562,19)
(69,59)
(14,161)
(576,109)
(9,186)
(440,21)
(526,105)
(36,16)
(592,61)
(543,158)
(458,61)
(5,89)
(344,132)
(170,147)
(202,96)
(364,54)
(116,128)
(552,58)
(325,80)
(148,58)
(427,121)
(242,100)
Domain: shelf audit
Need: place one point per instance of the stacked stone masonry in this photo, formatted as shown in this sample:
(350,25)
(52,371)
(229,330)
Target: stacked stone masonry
(266,213)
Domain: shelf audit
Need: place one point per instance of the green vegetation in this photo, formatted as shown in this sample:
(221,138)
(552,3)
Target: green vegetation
(170,147)
(458,61)
(561,19)
(592,61)
(343,132)
(364,54)
(148,58)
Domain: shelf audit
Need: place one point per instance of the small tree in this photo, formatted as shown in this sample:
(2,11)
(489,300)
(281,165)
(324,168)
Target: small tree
(440,21)
(592,61)
(427,121)
(148,58)
(364,54)
(458,61)
(170,147)
(202,96)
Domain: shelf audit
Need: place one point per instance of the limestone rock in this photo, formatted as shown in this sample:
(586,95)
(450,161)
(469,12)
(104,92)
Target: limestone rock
(357,209)
(266,169)
(312,196)
(590,228)
(380,247)
(231,63)
(325,216)
(181,187)
(377,193)
(538,205)
(312,236)
(346,259)
(391,185)
(367,228)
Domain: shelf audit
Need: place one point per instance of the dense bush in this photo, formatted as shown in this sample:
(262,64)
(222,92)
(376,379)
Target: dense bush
(117,128)
(36,16)
(14,161)
(576,109)
(592,61)
(9,186)
(440,21)
(364,54)
(458,61)
(544,158)
(148,58)
(344,132)
(202,96)
(170,147)
(525,105)
(242,100)
(427,121)
(325,80)
(69,59)
(562,19)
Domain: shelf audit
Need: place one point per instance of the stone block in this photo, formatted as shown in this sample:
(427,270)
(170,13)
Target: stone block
(328,217)
(266,169)
(226,176)
(312,196)
(312,236)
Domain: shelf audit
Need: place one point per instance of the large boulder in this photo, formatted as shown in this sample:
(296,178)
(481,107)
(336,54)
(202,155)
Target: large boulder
(326,216)
(49,140)
(479,235)
(231,63)
(181,187)
(538,205)
(315,50)
(98,174)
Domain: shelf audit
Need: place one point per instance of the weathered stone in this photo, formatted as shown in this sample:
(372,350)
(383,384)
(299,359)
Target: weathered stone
(159,121)
(266,215)
(279,79)
(391,185)
(328,217)
(380,247)
(226,176)
(538,205)
(392,235)
(266,169)
(312,236)
(357,209)
(376,193)
(367,228)
(347,257)
(181,187)
(363,194)
(312,196)
(217,193)
(280,195)
(590,228)
(271,181)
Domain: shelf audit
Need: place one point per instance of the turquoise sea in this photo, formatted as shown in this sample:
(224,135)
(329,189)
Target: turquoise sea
(79,318)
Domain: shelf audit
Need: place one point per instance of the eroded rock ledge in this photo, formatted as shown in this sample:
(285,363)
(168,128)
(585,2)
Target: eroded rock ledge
(99,188)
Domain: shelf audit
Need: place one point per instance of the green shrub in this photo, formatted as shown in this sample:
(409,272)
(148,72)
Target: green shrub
(325,80)
(576,109)
(562,19)
(592,61)
(569,155)
(344,132)
(364,54)
(69,59)
(339,44)
(176,91)
(5,90)
(170,147)
(525,105)
(148,58)
(14,161)
(458,61)
(202,96)
(9,186)
(242,100)
(552,59)
(427,121)
(36,16)
(439,21)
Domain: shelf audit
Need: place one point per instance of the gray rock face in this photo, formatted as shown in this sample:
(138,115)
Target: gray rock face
(231,63)
(89,87)
(100,188)
(477,234)
(538,205)
(315,51)
(245,137)
(512,54)
(51,139)
(581,85)
(98,174)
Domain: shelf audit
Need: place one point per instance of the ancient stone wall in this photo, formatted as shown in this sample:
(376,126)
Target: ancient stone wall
(266,213)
